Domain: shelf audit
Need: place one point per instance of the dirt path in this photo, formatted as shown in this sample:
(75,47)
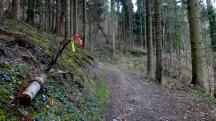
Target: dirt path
(132,99)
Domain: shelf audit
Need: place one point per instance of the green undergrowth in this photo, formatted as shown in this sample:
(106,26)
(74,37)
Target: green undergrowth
(71,102)
(195,92)
(130,60)
(74,96)
(137,53)
(101,90)
(192,90)
(50,44)
(13,76)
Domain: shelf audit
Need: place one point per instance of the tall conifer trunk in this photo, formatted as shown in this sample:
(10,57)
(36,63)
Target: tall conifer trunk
(66,10)
(58,18)
(113,23)
(1,13)
(74,14)
(196,43)
(212,23)
(158,42)
(30,12)
(149,36)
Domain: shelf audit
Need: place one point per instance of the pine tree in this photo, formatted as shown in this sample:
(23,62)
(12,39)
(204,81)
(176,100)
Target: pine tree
(113,23)
(66,10)
(1,13)
(58,18)
(84,22)
(158,42)
(30,12)
(74,14)
(49,12)
(149,36)
(196,43)
(212,23)
(16,8)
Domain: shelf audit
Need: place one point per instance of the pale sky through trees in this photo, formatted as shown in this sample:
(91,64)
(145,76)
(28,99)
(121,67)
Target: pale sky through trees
(134,3)
(135,6)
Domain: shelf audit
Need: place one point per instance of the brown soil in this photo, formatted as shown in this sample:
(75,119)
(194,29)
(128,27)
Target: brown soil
(134,99)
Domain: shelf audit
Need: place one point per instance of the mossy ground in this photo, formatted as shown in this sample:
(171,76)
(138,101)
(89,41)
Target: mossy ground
(78,98)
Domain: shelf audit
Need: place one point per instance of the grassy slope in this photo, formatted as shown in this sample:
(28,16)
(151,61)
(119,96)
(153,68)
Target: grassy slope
(77,98)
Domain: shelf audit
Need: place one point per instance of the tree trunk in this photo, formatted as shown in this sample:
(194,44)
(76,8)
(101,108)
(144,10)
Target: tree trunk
(90,38)
(124,30)
(53,15)
(145,34)
(62,14)
(84,22)
(23,10)
(119,25)
(49,24)
(196,43)
(66,10)
(90,34)
(149,36)
(1,13)
(131,26)
(113,24)
(30,12)
(212,23)
(16,9)
(141,30)
(74,17)
(58,18)
(158,42)
(108,24)
(71,18)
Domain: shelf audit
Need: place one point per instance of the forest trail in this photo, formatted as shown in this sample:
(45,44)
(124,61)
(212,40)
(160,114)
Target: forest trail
(133,99)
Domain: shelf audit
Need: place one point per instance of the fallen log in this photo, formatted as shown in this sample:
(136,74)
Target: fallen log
(32,90)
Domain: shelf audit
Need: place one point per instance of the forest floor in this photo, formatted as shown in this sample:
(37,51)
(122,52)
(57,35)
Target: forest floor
(133,97)
(76,88)
(72,92)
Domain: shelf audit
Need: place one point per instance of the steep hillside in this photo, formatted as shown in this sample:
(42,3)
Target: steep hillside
(74,88)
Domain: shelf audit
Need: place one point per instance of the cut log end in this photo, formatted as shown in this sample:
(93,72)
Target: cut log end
(24,99)
(32,90)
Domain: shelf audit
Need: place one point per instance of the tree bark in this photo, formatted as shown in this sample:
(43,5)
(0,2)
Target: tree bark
(14,8)
(49,21)
(113,24)
(58,18)
(32,90)
(196,43)
(30,12)
(158,42)
(74,14)
(23,10)
(71,18)
(62,15)
(53,15)
(141,30)
(149,36)
(84,22)
(212,23)
(119,25)
(90,34)
(66,10)
(1,13)
(131,25)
